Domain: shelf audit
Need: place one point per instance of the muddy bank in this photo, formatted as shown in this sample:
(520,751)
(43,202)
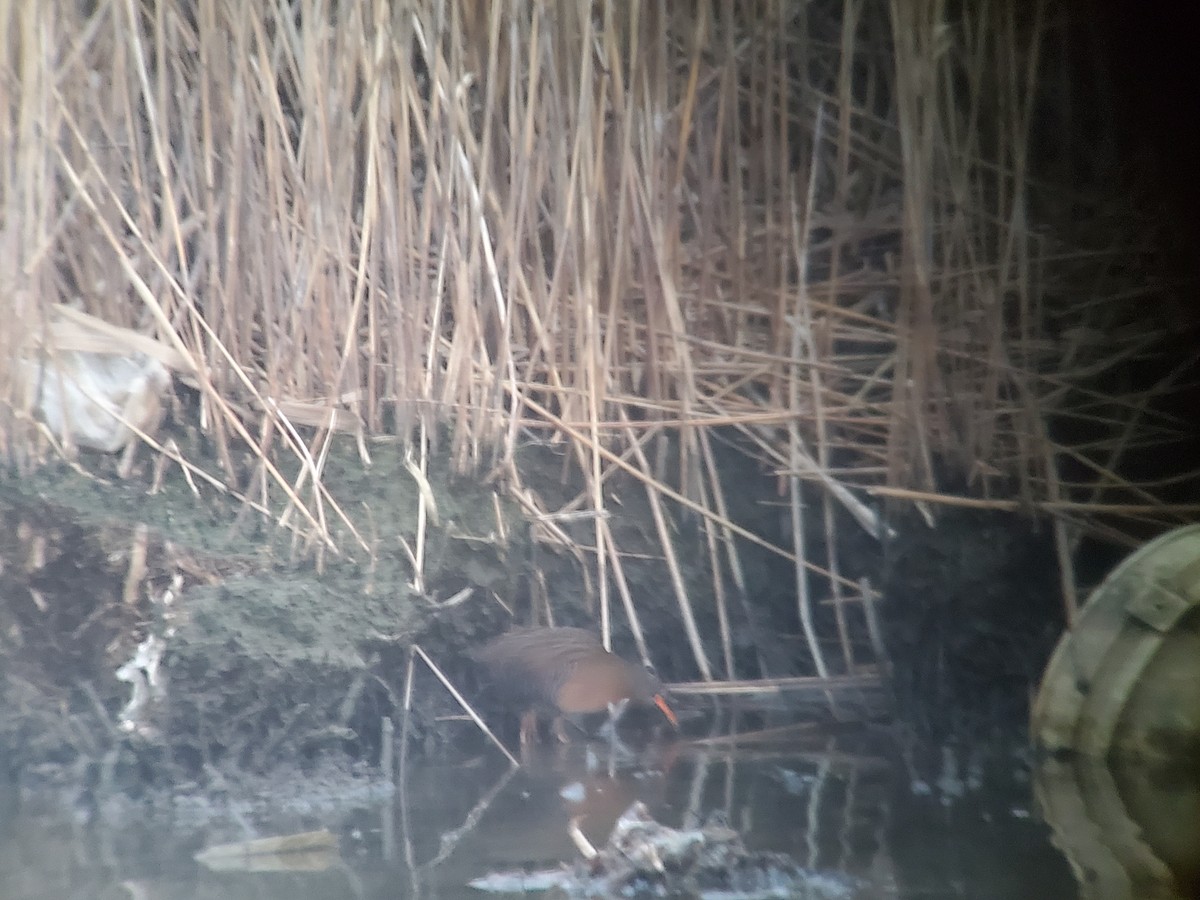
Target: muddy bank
(154,639)
(271,652)
(972,613)
(175,637)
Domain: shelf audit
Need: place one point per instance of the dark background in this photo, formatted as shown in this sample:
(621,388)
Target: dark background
(1153,51)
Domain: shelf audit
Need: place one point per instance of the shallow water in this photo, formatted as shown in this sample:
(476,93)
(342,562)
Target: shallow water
(873,819)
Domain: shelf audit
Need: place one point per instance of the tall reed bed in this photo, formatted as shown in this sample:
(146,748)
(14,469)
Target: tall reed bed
(832,227)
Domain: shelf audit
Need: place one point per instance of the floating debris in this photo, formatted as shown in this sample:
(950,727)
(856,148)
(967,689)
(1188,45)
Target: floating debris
(145,673)
(646,859)
(309,851)
(517,881)
(795,783)
(97,400)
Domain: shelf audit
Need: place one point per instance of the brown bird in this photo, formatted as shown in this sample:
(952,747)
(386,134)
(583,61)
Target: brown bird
(565,671)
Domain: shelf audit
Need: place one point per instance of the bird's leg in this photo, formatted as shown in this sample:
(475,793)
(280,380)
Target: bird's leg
(528,727)
(560,730)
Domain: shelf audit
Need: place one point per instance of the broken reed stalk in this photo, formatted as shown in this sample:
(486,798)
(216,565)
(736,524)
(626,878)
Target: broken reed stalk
(716,570)
(725,541)
(462,701)
(819,684)
(800,324)
(617,567)
(410,673)
(699,654)
(1050,507)
(804,341)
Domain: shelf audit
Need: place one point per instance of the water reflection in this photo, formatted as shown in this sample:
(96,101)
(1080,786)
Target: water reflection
(882,821)
(1129,829)
(848,804)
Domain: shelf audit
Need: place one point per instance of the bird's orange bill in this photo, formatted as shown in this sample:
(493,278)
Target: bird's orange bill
(666,710)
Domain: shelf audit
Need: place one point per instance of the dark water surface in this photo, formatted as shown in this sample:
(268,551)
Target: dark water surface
(874,819)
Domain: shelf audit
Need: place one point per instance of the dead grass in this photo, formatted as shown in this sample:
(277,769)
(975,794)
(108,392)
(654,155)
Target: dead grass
(623,226)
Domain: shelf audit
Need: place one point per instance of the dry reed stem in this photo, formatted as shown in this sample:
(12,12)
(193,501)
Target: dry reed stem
(682,599)
(462,701)
(473,219)
(664,491)
(778,685)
